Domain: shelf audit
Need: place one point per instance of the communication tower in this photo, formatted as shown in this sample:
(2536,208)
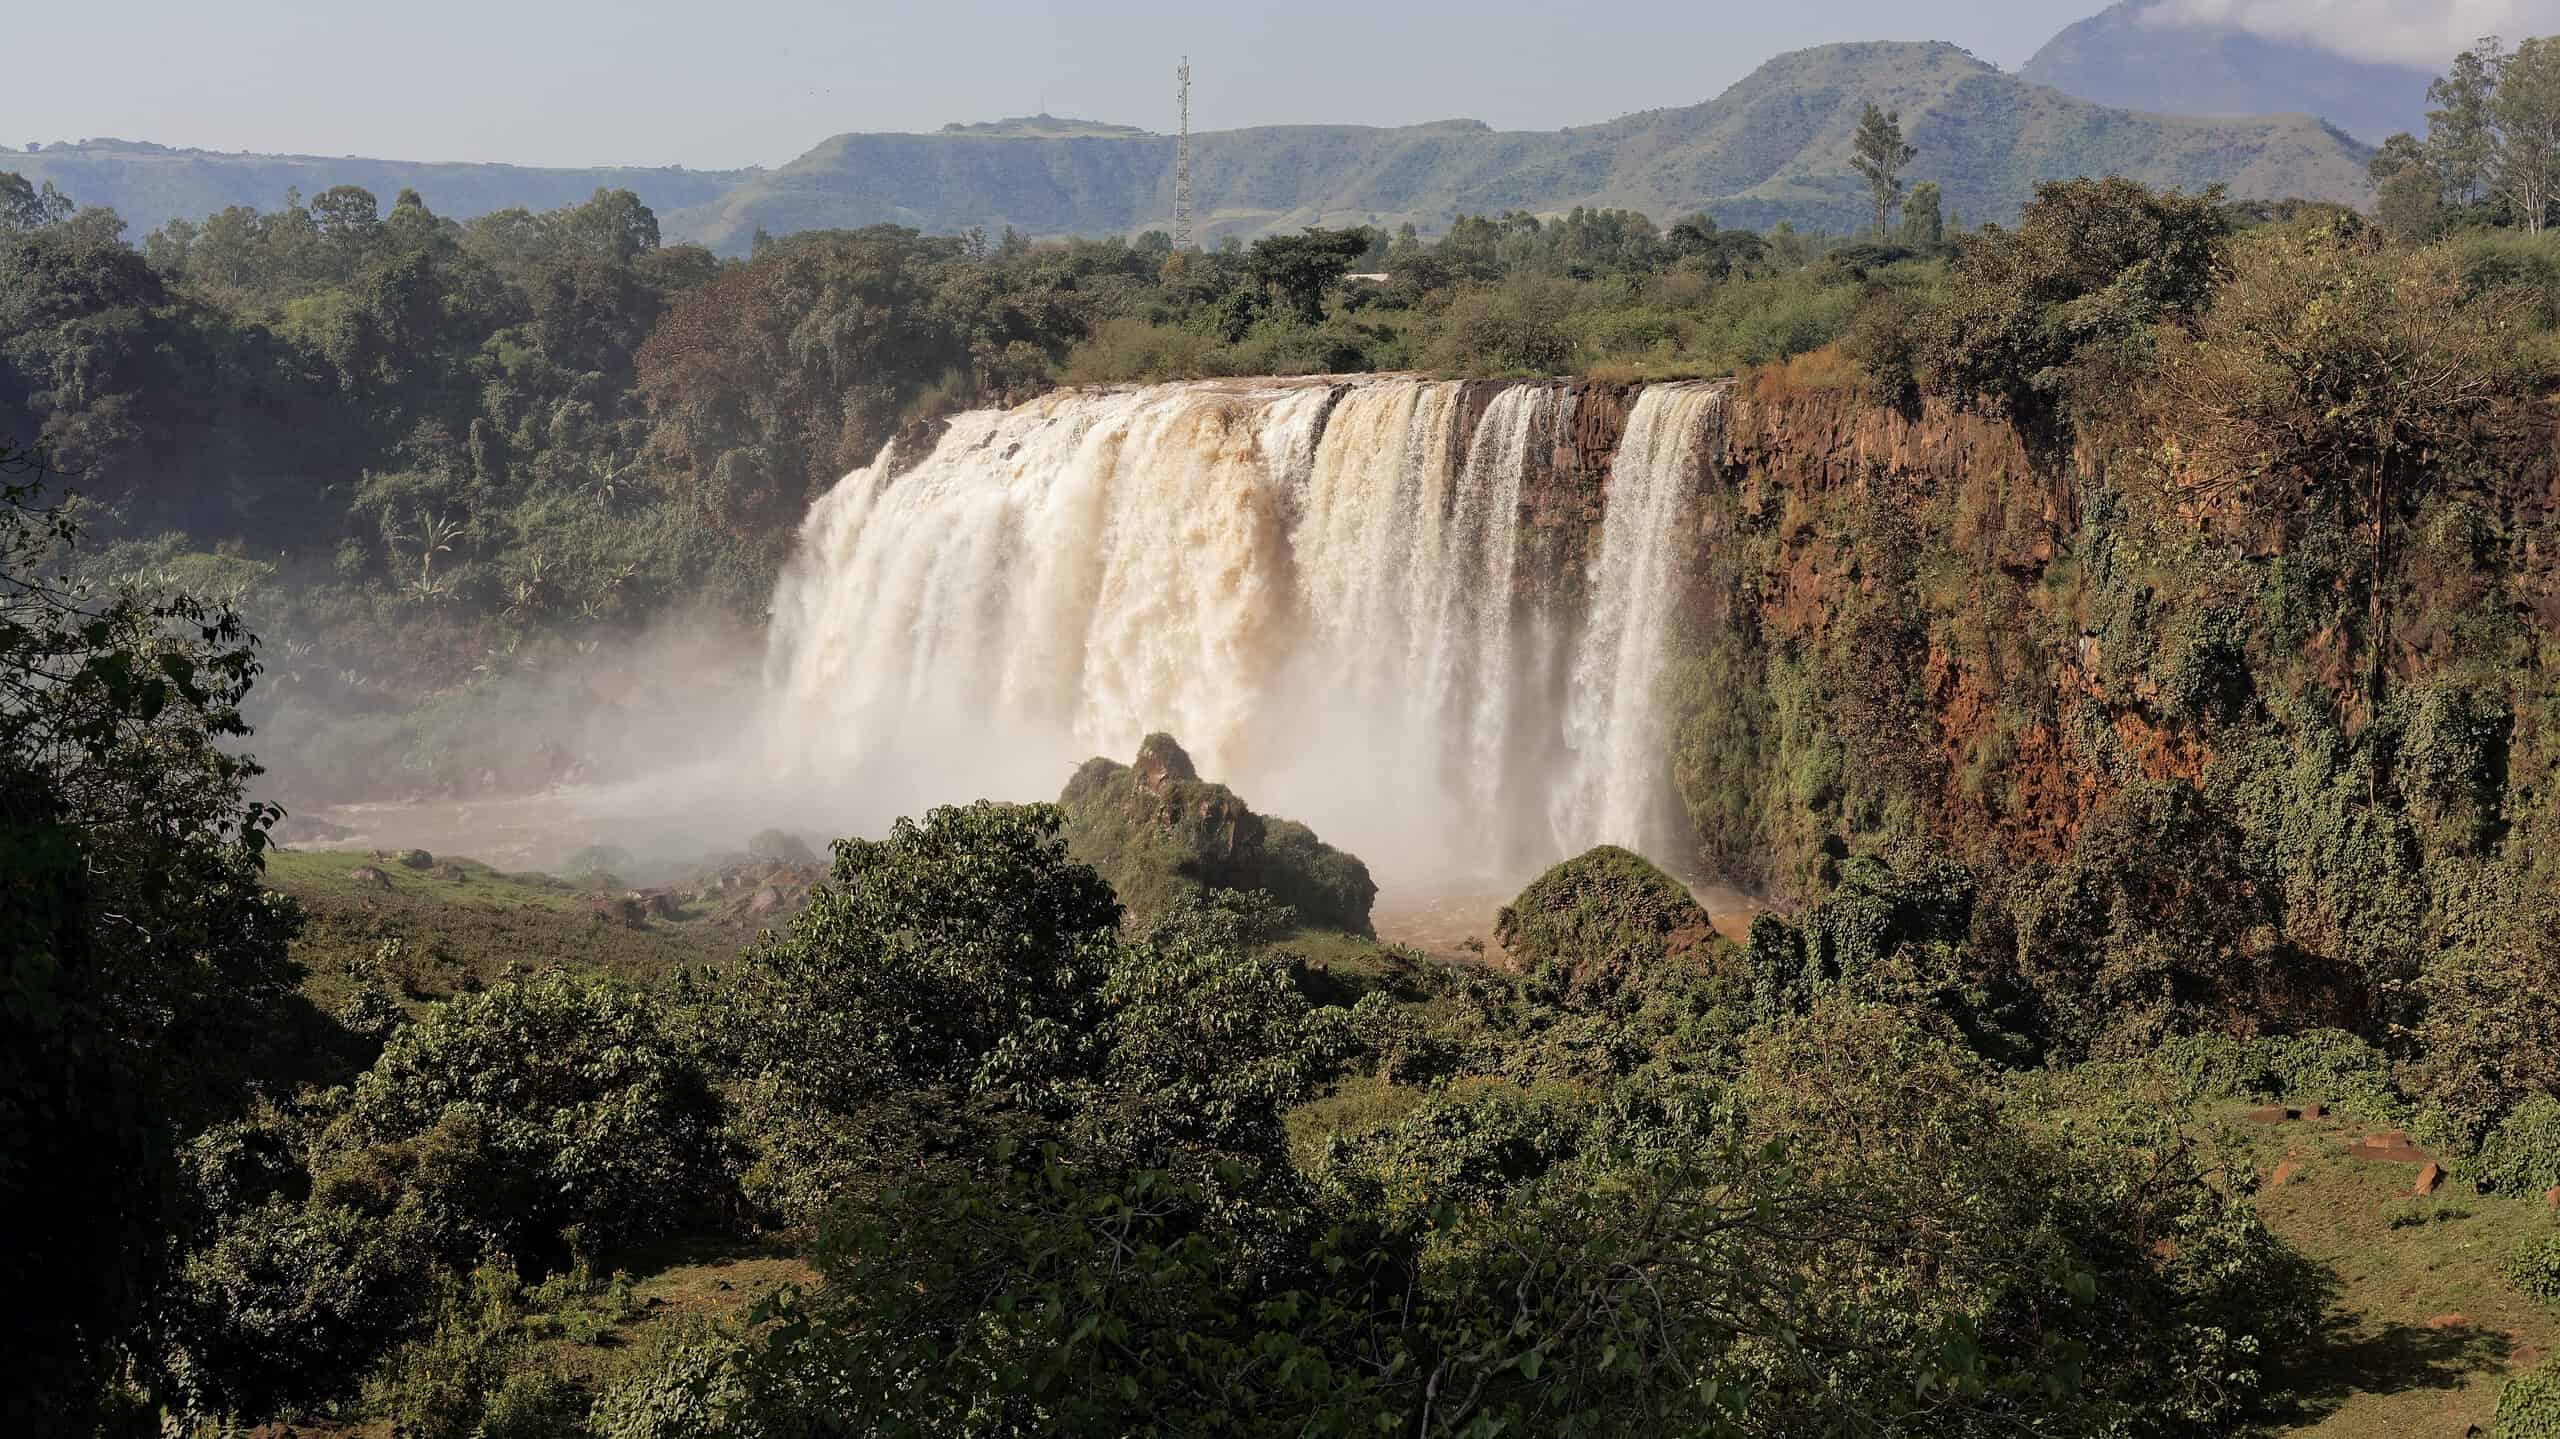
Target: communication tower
(1182,165)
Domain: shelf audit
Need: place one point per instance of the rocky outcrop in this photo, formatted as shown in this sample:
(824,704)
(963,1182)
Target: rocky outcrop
(1155,829)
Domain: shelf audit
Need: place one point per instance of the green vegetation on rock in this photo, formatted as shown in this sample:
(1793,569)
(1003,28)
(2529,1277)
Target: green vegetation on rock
(1156,831)
(1588,927)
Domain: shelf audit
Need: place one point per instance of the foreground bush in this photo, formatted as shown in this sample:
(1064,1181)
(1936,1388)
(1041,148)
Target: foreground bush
(288,1305)
(502,1119)
(2530,1409)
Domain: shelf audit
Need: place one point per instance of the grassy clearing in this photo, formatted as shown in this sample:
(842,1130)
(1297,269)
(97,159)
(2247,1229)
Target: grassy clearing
(2425,1331)
(461,924)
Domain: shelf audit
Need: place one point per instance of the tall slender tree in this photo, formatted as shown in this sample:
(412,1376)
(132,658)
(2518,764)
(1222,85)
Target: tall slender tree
(2462,136)
(2526,107)
(1924,222)
(1878,155)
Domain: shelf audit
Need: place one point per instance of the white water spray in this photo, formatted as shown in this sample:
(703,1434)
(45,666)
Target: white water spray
(1318,586)
(1614,711)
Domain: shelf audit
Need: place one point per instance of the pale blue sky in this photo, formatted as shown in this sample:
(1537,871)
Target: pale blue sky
(758,81)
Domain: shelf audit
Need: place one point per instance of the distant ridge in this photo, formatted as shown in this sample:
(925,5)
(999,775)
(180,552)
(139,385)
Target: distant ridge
(150,185)
(1774,147)
(2119,57)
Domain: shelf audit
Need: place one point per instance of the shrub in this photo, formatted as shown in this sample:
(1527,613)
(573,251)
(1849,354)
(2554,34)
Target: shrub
(2530,1408)
(2534,1267)
(1471,1143)
(288,1304)
(2490,1042)
(682,1384)
(1514,329)
(601,859)
(2522,1155)
(1586,928)
(534,1404)
(440,1387)
(504,1117)
(2336,1067)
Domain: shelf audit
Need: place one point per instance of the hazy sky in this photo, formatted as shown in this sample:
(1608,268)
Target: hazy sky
(655,82)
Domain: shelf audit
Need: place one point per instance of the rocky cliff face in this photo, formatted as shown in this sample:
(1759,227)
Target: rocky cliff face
(1911,623)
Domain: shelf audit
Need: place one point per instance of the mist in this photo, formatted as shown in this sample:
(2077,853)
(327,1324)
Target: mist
(1326,592)
(2425,34)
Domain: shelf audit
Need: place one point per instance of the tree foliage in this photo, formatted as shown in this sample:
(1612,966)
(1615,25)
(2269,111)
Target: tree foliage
(144,959)
(2072,296)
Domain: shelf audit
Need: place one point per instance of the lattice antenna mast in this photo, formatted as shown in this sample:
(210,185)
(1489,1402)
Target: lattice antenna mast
(1182,165)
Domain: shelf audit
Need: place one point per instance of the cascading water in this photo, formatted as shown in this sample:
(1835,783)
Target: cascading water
(1613,711)
(1318,586)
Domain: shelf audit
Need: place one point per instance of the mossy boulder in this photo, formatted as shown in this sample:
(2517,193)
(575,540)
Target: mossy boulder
(1155,829)
(1592,924)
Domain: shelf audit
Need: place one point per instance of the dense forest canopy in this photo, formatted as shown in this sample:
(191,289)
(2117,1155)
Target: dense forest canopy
(2201,758)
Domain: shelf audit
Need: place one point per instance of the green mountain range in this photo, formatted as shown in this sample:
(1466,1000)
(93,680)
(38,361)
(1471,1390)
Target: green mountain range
(150,185)
(1773,148)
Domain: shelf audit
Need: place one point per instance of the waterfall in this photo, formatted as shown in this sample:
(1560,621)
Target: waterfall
(1318,586)
(1614,711)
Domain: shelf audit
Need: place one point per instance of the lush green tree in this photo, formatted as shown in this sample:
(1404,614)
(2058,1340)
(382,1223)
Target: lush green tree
(288,1304)
(2397,155)
(142,954)
(25,207)
(503,1120)
(2070,299)
(613,225)
(2347,379)
(1298,269)
(2014,1237)
(1878,153)
(2488,1045)
(948,968)
(2410,206)
(2462,137)
(781,375)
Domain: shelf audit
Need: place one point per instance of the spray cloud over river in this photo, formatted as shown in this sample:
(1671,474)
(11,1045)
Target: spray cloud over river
(1322,588)
(1405,612)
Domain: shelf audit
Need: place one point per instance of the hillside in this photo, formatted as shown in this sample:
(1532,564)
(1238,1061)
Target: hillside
(1773,148)
(2122,57)
(150,185)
